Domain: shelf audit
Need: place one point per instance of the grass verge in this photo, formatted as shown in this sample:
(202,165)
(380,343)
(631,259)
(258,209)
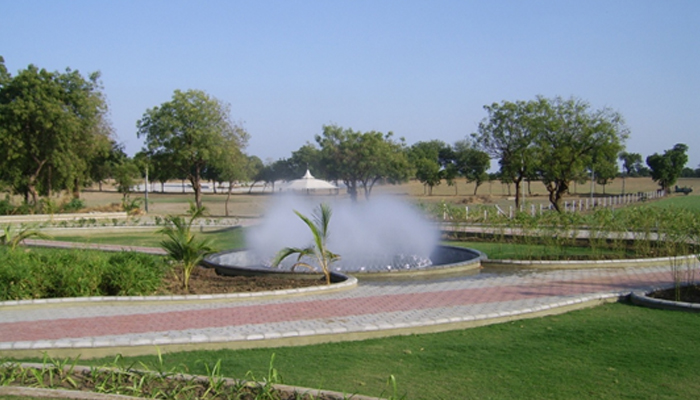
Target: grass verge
(609,352)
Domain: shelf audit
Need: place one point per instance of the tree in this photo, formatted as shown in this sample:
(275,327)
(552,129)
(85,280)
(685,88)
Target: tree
(570,137)
(191,131)
(688,173)
(125,174)
(231,167)
(362,159)
(307,157)
(507,134)
(102,166)
(4,75)
(605,171)
(631,166)
(318,250)
(666,168)
(52,126)
(471,163)
(425,159)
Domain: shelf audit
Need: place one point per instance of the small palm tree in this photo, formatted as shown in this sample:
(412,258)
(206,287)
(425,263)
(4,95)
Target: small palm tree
(9,237)
(318,250)
(183,246)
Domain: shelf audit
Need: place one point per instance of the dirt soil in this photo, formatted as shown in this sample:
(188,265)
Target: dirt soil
(688,294)
(206,281)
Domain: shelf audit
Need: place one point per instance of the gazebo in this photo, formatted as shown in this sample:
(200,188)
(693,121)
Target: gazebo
(308,184)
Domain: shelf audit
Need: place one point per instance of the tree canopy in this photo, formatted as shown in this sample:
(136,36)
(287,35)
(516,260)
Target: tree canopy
(556,140)
(508,134)
(667,168)
(192,131)
(53,126)
(571,137)
(426,162)
(362,159)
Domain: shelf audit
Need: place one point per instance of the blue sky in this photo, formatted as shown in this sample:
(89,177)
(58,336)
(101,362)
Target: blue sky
(422,69)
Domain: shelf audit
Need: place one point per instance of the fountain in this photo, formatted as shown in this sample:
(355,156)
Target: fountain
(381,237)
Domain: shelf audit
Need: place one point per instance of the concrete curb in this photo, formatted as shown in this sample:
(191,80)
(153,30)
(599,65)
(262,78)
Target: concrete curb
(83,395)
(581,264)
(350,283)
(641,299)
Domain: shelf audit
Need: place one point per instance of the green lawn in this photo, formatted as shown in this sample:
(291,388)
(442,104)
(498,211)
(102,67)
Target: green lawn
(690,202)
(221,239)
(519,251)
(613,351)
(235,238)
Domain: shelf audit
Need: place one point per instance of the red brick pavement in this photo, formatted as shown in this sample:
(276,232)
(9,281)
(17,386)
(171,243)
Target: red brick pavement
(299,309)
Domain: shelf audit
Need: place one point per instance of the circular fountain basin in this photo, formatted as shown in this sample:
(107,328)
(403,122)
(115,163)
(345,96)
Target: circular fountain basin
(444,259)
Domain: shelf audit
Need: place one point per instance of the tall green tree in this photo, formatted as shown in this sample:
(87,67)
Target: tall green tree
(667,168)
(631,166)
(508,135)
(605,171)
(306,157)
(52,126)
(360,160)
(472,163)
(191,131)
(425,159)
(570,138)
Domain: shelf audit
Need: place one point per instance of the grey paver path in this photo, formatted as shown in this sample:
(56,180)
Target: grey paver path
(102,326)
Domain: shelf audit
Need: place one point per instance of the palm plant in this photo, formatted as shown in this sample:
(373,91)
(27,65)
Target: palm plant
(317,250)
(183,246)
(9,237)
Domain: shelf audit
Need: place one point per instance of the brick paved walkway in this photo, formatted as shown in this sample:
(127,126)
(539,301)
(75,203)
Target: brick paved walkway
(104,326)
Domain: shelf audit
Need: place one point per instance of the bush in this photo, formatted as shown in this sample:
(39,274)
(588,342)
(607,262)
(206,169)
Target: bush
(132,274)
(73,206)
(52,273)
(6,207)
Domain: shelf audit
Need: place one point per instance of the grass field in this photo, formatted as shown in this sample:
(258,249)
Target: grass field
(253,205)
(689,202)
(221,239)
(608,352)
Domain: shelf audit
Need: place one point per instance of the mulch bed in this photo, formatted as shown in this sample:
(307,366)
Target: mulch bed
(688,294)
(206,281)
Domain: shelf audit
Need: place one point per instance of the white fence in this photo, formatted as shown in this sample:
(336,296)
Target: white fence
(574,205)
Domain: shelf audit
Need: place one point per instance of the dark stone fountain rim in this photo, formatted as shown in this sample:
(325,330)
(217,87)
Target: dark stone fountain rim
(471,261)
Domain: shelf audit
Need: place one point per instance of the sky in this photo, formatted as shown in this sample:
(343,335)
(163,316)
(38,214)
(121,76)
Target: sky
(420,69)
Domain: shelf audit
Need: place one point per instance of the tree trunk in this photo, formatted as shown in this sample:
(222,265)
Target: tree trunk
(556,194)
(228,196)
(76,189)
(518,188)
(352,190)
(49,186)
(623,185)
(195,181)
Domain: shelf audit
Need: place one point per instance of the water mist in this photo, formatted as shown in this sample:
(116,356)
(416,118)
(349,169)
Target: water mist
(383,233)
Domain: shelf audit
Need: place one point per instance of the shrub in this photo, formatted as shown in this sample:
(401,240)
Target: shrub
(73,206)
(51,273)
(132,274)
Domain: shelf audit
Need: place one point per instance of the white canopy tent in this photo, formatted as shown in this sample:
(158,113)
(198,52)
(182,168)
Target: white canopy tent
(307,184)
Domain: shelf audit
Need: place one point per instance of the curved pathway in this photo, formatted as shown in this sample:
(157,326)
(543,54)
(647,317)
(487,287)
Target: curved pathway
(139,325)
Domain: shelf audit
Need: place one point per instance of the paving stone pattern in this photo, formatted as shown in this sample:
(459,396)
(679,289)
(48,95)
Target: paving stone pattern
(371,306)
